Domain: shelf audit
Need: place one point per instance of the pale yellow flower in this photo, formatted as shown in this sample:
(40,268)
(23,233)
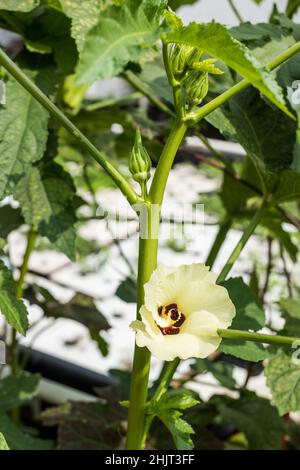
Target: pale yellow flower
(184,308)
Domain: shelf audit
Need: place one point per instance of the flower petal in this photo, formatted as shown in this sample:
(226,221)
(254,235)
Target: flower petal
(148,320)
(166,284)
(198,296)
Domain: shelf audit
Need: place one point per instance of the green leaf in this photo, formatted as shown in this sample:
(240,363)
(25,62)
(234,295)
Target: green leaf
(222,371)
(17,439)
(87,426)
(289,187)
(99,340)
(257,419)
(262,32)
(3,443)
(176,399)
(249,316)
(291,312)
(235,195)
(84,15)
(19,5)
(215,39)
(127,290)
(291,307)
(10,219)
(283,379)
(246,350)
(273,48)
(267,135)
(154,79)
(121,36)
(220,121)
(23,135)
(174,4)
(15,391)
(289,71)
(181,431)
(46,196)
(80,308)
(275,229)
(12,308)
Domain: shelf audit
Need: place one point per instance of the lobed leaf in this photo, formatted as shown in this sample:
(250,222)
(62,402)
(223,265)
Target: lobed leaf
(19,5)
(16,390)
(84,16)
(23,135)
(46,195)
(249,316)
(283,379)
(12,308)
(121,36)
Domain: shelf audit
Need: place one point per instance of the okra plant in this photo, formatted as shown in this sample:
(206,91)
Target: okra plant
(240,81)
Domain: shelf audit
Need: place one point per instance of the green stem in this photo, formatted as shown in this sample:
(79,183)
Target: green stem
(147,264)
(165,163)
(291,8)
(241,244)
(208,108)
(175,84)
(99,156)
(31,239)
(168,372)
(235,10)
(146,91)
(224,228)
(141,363)
(240,335)
(110,102)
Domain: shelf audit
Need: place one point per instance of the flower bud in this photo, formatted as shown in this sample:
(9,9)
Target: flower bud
(140,162)
(197,88)
(181,58)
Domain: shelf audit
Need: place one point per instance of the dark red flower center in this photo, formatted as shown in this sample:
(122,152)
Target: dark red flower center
(175,318)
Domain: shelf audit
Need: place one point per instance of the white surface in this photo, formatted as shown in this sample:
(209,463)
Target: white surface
(219,10)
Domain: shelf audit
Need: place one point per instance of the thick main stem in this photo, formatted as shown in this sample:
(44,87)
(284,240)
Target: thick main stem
(147,263)
(141,362)
(165,163)
(30,86)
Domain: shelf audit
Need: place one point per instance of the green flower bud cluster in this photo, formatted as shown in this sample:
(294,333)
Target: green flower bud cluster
(140,162)
(196,88)
(182,58)
(187,68)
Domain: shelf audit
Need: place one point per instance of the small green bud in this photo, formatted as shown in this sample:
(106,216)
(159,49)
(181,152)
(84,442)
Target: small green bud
(197,88)
(181,59)
(140,162)
(208,66)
